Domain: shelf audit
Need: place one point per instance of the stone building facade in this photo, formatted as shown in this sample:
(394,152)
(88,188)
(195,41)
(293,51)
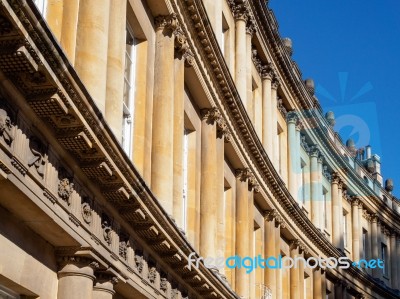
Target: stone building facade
(138,134)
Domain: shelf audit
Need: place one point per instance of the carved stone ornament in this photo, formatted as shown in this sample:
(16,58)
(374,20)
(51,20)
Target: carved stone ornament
(163,284)
(152,274)
(210,115)
(123,246)
(37,158)
(139,261)
(6,127)
(65,189)
(168,23)
(86,211)
(106,226)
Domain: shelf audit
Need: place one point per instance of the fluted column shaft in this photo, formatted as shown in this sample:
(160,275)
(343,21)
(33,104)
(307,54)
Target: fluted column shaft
(242,229)
(163,112)
(90,64)
(69,28)
(315,195)
(267,113)
(355,229)
(393,261)
(240,56)
(270,250)
(115,66)
(294,149)
(208,184)
(294,273)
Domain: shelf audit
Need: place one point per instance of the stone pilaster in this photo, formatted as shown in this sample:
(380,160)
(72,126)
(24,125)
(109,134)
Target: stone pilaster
(270,248)
(394,279)
(355,219)
(267,75)
(315,182)
(319,284)
(374,241)
(274,123)
(115,66)
(163,111)
(250,30)
(208,189)
(279,223)
(91,65)
(241,16)
(242,228)
(337,211)
(294,271)
(293,157)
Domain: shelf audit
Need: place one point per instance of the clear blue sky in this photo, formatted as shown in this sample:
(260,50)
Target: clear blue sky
(351,49)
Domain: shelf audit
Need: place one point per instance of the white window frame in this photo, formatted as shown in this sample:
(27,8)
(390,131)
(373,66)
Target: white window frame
(129,87)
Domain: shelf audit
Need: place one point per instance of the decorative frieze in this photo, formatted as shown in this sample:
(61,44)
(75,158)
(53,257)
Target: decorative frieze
(86,212)
(107,229)
(37,158)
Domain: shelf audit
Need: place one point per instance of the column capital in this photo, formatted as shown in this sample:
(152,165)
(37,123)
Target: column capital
(168,23)
(271,215)
(250,26)
(315,151)
(253,184)
(321,158)
(243,174)
(294,244)
(267,71)
(292,117)
(374,218)
(182,48)
(210,115)
(356,201)
(240,11)
(336,179)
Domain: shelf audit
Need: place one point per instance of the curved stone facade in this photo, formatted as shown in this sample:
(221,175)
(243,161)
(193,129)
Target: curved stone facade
(137,137)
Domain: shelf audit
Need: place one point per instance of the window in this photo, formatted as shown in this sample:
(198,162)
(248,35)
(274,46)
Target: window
(129,92)
(384,259)
(345,229)
(185,177)
(41,5)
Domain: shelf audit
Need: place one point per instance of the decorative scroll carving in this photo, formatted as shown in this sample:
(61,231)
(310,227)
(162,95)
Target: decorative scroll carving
(326,173)
(152,276)
(163,284)
(314,151)
(6,127)
(292,117)
(304,143)
(139,261)
(65,189)
(223,130)
(239,10)
(282,108)
(243,174)
(182,47)
(275,82)
(124,245)
(250,26)
(210,115)
(37,158)
(253,184)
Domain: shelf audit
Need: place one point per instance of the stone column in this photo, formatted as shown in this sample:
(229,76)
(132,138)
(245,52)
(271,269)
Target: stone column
(163,112)
(267,110)
(69,28)
(278,225)
(374,241)
(242,229)
(116,66)
(301,274)
(293,149)
(274,124)
(355,228)
(379,245)
(54,16)
(75,278)
(179,126)
(294,271)
(208,185)
(250,29)
(398,260)
(319,284)
(393,261)
(270,249)
(337,212)
(315,195)
(90,63)
(241,17)
(104,286)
